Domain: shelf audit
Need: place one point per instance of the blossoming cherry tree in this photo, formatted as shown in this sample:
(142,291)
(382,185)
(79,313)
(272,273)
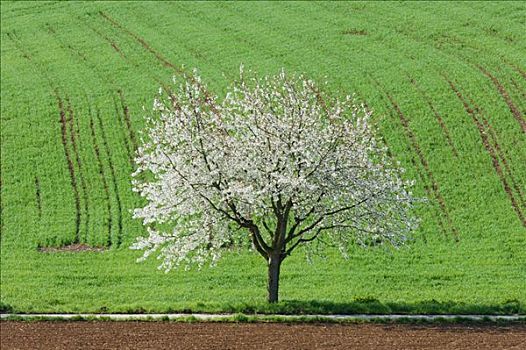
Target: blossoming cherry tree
(276,162)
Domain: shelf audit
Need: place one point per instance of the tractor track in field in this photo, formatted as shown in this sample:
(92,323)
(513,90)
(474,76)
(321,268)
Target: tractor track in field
(440,120)
(498,150)
(127,120)
(121,53)
(113,177)
(421,176)
(163,60)
(143,42)
(122,127)
(84,59)
(424,180)
(521,93)
(490,150)
(505,95)
(71,167)
(102,175)
(63,129)
(423,161)
(74,137)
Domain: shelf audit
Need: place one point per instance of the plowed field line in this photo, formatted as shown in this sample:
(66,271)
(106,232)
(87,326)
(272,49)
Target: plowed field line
(484,137)
(502,91)
(102,175)
(440,120)
(113,177)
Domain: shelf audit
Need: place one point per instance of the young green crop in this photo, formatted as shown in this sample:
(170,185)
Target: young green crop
(74,79)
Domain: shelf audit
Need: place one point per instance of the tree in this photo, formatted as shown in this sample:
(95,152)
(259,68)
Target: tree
(277,162)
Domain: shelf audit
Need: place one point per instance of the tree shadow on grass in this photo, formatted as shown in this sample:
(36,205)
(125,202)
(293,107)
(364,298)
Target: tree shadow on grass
(374,306)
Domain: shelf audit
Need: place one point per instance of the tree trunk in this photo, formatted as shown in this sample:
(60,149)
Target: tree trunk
(274,265)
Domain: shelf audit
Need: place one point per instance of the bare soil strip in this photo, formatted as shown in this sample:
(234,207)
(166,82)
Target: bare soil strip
(161,335)
(123,56)
(416,147)
(495,161)
(74,248)
(499,151)
(502,91)
(437,115)
(424,181)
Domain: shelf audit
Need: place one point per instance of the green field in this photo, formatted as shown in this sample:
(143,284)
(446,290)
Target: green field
(447,82)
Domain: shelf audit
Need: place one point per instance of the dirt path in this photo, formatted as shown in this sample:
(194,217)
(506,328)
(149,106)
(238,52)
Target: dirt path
(163,335)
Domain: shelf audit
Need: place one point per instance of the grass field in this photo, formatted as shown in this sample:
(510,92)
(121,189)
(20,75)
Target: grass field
(447,82)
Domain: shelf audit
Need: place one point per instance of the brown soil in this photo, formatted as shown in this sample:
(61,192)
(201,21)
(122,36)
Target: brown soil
(162,335)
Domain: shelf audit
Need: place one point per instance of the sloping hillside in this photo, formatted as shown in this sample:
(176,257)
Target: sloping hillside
(447,83)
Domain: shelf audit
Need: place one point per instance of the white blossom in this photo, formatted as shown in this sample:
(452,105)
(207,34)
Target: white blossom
(276,157)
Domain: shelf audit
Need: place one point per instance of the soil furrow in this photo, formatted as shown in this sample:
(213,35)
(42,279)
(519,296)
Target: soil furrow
(38,197)
(420,173)
(440,120)
(102,176)
(502,91)
(113,178)
(490,150)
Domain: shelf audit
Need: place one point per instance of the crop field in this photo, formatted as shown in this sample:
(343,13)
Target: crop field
(447,82)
